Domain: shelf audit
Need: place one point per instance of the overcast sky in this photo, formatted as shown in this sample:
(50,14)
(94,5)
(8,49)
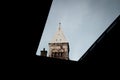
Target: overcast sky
(82,22)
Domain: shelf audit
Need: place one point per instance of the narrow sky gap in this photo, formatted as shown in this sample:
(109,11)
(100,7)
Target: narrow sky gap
(82,22)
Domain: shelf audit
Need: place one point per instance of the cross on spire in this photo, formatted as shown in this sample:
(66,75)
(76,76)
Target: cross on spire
(59,25)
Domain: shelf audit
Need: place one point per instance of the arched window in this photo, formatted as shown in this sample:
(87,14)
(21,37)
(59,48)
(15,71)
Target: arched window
(52,55)
(55,54)
(61,54)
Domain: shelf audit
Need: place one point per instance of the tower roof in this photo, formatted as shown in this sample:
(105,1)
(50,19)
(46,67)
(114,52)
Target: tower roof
(59,36)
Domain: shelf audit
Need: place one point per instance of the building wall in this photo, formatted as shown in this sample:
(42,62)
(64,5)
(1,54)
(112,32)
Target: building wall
(59,50)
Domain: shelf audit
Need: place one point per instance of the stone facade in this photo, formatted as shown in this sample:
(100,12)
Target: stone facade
(59,50)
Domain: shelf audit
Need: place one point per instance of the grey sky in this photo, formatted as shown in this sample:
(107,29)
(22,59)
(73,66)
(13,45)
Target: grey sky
(82,22)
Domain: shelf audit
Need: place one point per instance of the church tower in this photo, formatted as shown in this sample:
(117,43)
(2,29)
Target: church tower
(59,46)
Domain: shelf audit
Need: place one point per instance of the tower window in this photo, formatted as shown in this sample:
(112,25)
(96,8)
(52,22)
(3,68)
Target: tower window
(61,54)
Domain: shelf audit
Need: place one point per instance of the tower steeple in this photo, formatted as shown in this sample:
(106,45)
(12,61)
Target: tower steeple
(59,46)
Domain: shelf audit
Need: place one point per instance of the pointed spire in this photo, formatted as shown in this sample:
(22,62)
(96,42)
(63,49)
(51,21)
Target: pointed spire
(59,36)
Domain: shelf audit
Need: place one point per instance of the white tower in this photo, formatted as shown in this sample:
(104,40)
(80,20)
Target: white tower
(59,46)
